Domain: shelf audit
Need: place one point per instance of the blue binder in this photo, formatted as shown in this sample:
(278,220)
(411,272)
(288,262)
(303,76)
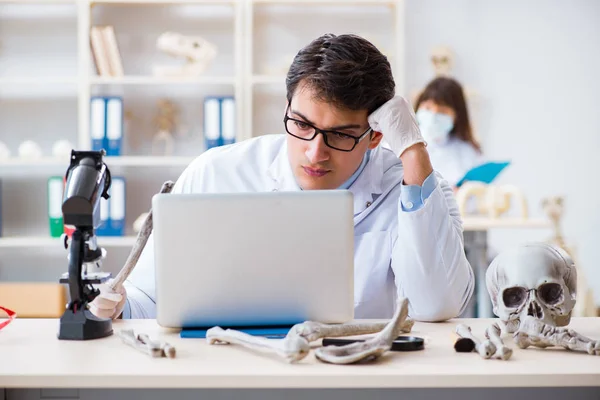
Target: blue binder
(116,209)
(212,122)
(114,126)
(227,121)
(272,332)
(104,229)
(0,207)
(98,122)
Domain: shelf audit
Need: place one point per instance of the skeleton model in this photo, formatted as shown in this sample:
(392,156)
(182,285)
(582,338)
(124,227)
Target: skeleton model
(166,120)
(491,200)
(554,208)
(442,59)
(197,52)
(533,290)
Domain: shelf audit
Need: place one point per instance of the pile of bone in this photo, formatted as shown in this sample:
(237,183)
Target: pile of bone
(533,291)
(297,343)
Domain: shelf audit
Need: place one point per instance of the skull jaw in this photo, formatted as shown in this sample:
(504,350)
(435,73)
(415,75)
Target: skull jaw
(563,320)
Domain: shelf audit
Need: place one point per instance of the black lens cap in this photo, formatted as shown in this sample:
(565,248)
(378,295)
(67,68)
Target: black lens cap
(402,343)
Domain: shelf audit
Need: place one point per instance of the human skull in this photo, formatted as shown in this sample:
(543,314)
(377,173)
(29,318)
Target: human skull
(535,279)
(442,59)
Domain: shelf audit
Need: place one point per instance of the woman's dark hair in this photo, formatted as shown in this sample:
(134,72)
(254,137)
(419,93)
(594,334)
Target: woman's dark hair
(345,70)
(448,92)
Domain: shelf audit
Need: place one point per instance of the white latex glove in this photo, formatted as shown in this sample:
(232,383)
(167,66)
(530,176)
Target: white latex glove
(396,121)
(108,304)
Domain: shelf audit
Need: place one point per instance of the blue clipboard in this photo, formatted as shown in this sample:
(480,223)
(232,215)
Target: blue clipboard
(484,173)
(271,332)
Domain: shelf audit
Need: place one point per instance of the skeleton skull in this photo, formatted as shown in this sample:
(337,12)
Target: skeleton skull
(442,59)
(536,279)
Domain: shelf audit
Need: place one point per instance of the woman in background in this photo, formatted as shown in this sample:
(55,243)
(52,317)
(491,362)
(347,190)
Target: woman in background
(441,112)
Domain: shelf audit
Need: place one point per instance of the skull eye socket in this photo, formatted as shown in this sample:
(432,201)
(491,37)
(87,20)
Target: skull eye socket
(514,297)
(550,293)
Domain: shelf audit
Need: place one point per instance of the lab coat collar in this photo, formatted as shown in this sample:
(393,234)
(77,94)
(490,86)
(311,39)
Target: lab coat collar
(280,172)
(368,182)
(366,185)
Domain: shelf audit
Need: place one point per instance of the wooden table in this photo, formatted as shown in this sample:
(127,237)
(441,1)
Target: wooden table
(32,357)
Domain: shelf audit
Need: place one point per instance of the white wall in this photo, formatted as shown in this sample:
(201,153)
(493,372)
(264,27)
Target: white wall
(533,66)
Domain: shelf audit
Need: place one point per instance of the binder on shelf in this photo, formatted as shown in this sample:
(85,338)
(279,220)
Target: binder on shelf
(212,122)
(227,120)
(0,207)
(104,229)
(55,196)
(98,122)
(116,209)
(114,126)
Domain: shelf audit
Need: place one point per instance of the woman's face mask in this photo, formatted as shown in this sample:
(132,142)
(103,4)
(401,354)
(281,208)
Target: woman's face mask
(435,127)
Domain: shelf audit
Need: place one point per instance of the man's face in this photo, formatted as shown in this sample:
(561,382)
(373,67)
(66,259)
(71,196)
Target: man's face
(315,165)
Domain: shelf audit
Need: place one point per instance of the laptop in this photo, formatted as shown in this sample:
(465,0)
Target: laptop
(253,259)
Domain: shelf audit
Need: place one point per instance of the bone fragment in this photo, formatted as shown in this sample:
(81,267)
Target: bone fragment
(371,348)
(143,343)
(485,349)
(312,331)
(292,348)
(142,237)
(533,332)
(493,334)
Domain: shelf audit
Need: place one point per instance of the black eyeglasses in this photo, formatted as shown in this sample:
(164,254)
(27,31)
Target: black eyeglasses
(336,140)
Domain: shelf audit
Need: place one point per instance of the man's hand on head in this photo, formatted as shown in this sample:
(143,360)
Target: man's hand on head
(397,123)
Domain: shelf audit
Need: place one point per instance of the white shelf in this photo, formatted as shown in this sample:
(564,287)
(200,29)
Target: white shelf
(482,223)
(149,161)
(125,2)
(43,241)
(38,80)
(329,2)
(125,161)
(268,79)
(154,80)
(41,2)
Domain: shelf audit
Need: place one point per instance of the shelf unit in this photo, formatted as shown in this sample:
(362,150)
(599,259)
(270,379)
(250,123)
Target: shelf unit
(43,241)
(244,81)
(123,161)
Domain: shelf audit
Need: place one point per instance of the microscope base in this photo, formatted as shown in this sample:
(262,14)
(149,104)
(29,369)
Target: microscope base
(83,325)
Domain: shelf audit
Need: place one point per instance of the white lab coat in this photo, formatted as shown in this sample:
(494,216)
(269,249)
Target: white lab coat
(453,159)
(416,254)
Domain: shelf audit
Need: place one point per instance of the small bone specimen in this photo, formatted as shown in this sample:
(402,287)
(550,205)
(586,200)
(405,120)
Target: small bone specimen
(371,348)
(492,333)
(486,349)
(145,344)
(313,331)
(292,348)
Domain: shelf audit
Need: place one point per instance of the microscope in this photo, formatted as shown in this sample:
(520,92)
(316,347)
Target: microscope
(87,182)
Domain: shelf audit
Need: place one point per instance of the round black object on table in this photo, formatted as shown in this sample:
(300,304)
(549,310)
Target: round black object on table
(402,343)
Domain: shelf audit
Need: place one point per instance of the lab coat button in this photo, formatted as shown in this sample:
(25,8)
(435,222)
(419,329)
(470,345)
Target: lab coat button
(409,205)
(368,204)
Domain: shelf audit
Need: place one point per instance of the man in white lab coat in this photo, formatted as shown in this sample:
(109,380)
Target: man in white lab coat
(408,231)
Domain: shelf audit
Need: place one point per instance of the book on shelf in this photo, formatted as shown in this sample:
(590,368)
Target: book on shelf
(105,51)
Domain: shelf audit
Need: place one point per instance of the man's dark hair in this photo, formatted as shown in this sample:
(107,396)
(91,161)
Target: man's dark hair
(345,70)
